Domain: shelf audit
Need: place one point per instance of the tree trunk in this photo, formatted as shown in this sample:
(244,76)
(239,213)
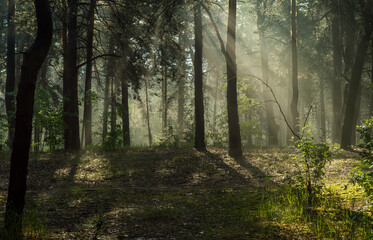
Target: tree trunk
(180,105)
(214,115)
(371,82)
(70,81)
(125,112)
(87,115)
(337,84)
(32,62)
(148,111)
(353,99)
(235,149)
(113,105)
(164,101)
(322,109)
(10,70)
(272,127)
(294,57)
(199,141)
(109,73)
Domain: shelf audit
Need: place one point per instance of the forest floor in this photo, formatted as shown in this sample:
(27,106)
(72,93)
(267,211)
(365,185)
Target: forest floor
(163,193)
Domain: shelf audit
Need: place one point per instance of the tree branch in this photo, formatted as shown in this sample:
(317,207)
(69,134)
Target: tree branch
(222,48)
(98,56)
(278,104)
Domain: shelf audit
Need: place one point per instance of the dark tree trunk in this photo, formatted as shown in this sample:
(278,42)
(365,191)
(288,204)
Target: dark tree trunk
(164,100)
(272,126)
(199,141)
(109,76)
(322,109)
(70,80)
(180,105)
(235,149)
(371,82)
(148,112)
(294,60)
(32,62)
(113,105)
(125,112)
(353,99)
(337,84)
(10,70)
(87,115)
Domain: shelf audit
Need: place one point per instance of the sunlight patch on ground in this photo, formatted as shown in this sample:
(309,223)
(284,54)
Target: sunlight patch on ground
(237,167)
(92,170)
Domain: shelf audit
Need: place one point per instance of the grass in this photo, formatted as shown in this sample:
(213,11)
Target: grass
(184,194)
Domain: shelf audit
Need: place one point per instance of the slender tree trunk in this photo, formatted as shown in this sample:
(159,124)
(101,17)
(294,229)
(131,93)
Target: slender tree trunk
(199,141)
(272,127)
(87,115)
(109,76)
(214,115)
(32,62)
(70,81)
(353,99)
(10,70)
(113,105)
(180,105)
(125,112)
(235,149)
(337,84)
(148,111)
(322,110)
(164,100)
(294,57)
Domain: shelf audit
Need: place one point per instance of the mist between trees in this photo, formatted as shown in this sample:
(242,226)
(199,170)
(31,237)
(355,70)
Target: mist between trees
(145,72)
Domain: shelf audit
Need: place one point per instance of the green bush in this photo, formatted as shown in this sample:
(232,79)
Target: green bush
(363,174)
(310,161)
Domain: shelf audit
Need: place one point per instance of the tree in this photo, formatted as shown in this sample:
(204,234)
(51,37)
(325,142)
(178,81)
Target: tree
(199,141)
(33,60)
(294,75)
(353,100)
(70,80)
(10,69)
(235,149)
(87,115)
(337,84)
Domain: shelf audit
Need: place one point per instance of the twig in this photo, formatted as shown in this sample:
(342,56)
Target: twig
(278,104)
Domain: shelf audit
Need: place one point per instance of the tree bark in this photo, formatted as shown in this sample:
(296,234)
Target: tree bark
(337,84)
(87,115)
(294,78)
(148,111)
(10,70)
(70,81)
(322,109)
(199,140)
(164,100)
(125,112)
(235,149)
(109,76)
(33,59)
(353,99)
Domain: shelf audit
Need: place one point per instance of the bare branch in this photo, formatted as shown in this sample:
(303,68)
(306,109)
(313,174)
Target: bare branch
(278,104)
(222,48)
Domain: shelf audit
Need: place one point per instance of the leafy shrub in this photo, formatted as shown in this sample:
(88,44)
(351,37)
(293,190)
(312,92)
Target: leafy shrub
(311,160)
(363,174)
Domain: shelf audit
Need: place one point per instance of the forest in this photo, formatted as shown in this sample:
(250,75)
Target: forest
(186,119)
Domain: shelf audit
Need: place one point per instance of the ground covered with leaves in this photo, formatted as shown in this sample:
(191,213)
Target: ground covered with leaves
(180,193)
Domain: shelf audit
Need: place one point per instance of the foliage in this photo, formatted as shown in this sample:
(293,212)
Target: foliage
(3,132)
(48,120)
(363,174)
(113,139)
(311,160)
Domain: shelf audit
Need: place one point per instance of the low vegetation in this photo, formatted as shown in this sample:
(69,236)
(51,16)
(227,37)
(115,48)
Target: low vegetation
(177,193)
